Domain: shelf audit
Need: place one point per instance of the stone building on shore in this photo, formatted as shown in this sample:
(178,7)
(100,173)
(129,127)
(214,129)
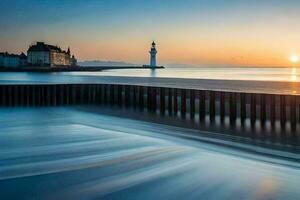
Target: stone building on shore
(45,55)
(12,60)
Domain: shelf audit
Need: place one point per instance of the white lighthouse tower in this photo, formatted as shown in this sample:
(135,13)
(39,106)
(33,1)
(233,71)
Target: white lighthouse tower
(153,53)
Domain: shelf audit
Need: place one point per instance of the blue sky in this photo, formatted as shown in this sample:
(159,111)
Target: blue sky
(187,31)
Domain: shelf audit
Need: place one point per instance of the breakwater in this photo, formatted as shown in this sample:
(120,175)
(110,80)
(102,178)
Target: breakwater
(71,68)
(190,104)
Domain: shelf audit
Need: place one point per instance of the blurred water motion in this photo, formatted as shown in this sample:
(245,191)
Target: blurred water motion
(69,153)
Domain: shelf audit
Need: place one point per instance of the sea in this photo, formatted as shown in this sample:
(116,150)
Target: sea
(83,152)
(286,74)
(221,73)
(240,79)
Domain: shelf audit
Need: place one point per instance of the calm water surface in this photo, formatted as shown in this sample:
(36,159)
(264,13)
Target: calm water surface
(258,80)
(255,74)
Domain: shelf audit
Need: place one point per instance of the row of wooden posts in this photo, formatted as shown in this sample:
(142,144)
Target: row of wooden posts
(171,101)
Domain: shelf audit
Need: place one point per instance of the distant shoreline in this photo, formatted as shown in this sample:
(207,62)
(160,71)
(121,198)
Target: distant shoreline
(72,69)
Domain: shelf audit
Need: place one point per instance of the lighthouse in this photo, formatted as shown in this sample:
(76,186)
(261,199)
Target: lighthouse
(153,53)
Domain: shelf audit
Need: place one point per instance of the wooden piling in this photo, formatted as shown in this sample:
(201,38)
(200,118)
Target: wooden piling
(47,96)
(97,94)
(263,111)
(272,110)
(27,93)
(111,95)
(162,101)
(141,97)
(183,103)
(9,100)
(212,106)
(222,107)
(61,95)
(93,94)
(202,110)
(119,99)
(65,95)
(293,114)
(33,92)
(232,108)
(36,99)
(88,94)
(19,98)
(73,95)
(39,98)
(175,101)
(135,94)
(153,99)
(15,95)
(79,94)
(192,104)
(55,95)
(148,98)
(44,95)
(22,95)
(105,94)
(7,95)
(170,108)
(2,96)
(282,111)
(127,96)
(253,109)
(243,110)
(52,96)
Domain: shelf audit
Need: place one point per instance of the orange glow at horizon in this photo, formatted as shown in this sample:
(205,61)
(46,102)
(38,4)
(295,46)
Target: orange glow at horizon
(186,54)
(188,48)
(235,46)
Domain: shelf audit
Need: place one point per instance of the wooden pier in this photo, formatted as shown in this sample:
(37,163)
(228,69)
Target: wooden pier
(194,105)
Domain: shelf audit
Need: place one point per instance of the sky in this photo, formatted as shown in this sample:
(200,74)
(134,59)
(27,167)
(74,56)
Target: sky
(193,32)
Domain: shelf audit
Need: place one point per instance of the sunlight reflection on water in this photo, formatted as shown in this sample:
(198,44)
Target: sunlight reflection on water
(261,80)
(294,75)
(262,74)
